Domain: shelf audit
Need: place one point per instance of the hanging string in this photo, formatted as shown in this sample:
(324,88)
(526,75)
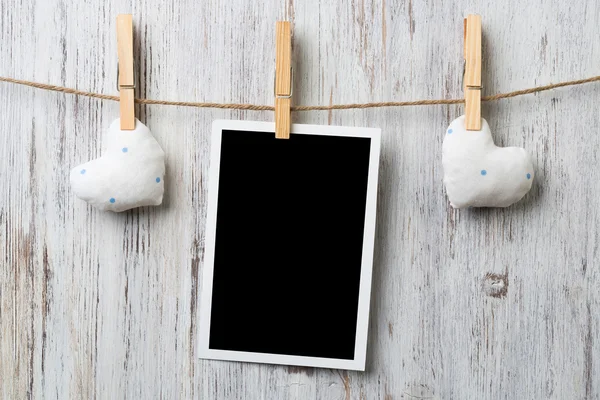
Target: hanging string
(257,107)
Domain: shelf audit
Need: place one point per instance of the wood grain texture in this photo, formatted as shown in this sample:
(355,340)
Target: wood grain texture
(473,304)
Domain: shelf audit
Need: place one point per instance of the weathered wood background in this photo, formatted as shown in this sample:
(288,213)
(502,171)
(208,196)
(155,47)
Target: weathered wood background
(479,304)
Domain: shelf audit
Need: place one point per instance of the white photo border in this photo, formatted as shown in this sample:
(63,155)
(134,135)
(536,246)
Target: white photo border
(366,271)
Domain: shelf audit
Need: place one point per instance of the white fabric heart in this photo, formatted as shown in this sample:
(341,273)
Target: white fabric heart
(129,174)
(477,173)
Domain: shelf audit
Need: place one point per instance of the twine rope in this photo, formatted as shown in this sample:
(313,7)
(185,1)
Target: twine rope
(258,107)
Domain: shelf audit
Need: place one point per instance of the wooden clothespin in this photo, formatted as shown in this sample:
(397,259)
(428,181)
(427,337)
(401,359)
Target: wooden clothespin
(283,79)
(472,77)
(126,76)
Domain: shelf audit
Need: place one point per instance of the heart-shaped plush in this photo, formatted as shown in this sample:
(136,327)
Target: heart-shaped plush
(129,174)
(477,173)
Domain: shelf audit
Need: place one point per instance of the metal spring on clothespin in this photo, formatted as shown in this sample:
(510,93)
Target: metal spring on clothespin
(134,86)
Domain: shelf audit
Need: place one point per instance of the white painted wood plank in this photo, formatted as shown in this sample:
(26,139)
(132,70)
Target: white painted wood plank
(470,304)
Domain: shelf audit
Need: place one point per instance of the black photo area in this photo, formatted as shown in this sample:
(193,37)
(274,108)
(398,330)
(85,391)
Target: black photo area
(288,248)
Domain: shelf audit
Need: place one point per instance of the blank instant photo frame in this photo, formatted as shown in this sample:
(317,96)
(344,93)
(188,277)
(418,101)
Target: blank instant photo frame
(289,245)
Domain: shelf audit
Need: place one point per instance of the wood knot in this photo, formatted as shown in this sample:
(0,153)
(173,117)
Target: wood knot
(495,285)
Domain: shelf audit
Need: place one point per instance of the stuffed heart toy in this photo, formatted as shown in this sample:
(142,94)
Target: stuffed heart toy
(129,174)
(477,173)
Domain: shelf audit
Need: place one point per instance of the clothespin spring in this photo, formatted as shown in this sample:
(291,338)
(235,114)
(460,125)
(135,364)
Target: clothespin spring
(291,91)
(470,87)
(134,86)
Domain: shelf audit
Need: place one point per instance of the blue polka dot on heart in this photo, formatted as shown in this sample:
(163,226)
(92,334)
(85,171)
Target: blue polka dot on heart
(82,171)
(157,180)
(528,176)
(483,172)
(450,131)
(124,150)
(112,200)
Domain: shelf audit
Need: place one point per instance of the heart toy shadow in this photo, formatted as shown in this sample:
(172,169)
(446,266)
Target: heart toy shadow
(477,173)
(130,172)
